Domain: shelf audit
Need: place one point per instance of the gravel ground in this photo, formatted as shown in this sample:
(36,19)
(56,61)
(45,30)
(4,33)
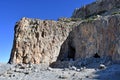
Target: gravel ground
(42,72)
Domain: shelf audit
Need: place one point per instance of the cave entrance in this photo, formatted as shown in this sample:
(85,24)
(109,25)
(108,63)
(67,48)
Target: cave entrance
(71,53)
(96,55)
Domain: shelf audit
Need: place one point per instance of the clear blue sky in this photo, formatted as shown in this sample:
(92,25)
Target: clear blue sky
(13,10)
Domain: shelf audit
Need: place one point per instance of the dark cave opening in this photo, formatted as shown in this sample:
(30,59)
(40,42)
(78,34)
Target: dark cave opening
(71,53)
(96,55)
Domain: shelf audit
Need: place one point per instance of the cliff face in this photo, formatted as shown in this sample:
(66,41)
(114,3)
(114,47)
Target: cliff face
(98,36)
(93,29)
(97,8)
(38,41)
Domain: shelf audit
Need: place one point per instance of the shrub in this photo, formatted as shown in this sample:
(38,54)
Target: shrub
(75,19)
(89,20)
(115,13)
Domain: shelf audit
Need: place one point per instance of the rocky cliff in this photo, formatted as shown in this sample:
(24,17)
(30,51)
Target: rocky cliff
(99,7)
(93,30)
(99,36)
(38,41)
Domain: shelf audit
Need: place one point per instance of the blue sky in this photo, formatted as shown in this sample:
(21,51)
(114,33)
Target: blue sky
(12,11)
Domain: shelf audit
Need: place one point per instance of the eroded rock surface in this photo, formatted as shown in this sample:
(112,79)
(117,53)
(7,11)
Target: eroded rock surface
(96,8)
(98,36)
(38,41)
(92,31)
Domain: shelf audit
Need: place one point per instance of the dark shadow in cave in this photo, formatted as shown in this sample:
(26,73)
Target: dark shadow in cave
(66,54)
(67,51)
(71,53)
(96,55)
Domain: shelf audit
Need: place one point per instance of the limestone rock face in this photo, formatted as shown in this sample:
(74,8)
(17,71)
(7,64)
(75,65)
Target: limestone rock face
(96,8)
(101,36)
(93,30)
(38,41)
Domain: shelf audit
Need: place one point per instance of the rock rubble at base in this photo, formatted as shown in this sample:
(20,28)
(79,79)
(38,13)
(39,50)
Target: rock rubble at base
(37,72)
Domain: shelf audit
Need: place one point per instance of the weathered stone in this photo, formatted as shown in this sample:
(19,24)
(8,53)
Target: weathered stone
(49,69)
(101,36)
(45,41)
(73,68)
(96,8)
(38,41)
(78,70)
(63,77)
(102,66)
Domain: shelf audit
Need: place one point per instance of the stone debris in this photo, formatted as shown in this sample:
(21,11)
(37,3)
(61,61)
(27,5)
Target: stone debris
(73,68)
(66,69)
(59,74)
(63,77)
(78,70)
(102,66)
(49,68)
